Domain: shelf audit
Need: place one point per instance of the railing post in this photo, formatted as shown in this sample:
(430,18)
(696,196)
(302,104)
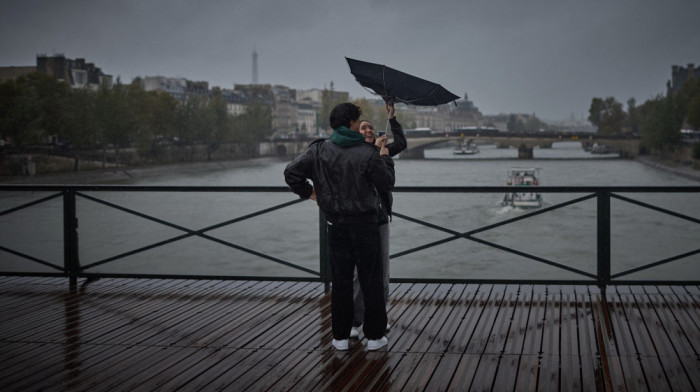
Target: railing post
(603,239)
(325,258)
(70,237)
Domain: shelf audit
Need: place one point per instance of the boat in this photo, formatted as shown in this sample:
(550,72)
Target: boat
(523,178)
(603,149)
(468,148)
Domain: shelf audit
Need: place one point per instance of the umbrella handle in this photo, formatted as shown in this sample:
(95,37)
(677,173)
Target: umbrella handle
(386,127)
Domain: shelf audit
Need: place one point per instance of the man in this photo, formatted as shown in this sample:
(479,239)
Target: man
(347,173)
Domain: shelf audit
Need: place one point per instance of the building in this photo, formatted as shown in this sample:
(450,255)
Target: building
(236,101)
(306,119)
(285,111)
(680,75)
(12,72)
(77,73)
(445,118)
(179,88)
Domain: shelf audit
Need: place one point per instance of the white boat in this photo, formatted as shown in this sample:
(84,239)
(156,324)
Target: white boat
(467,148)
(523,178)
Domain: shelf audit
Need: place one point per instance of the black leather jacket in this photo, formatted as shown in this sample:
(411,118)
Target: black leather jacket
(346,179)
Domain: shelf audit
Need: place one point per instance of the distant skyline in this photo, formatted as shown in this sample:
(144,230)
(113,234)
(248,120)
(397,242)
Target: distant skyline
(546,57)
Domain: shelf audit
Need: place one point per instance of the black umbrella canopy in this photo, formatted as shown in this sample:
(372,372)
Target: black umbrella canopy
(396,86)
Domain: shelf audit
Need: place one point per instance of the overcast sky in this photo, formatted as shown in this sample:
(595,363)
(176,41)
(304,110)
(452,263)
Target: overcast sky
(548,57)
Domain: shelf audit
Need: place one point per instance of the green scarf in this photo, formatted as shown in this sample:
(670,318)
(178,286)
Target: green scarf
(343,136)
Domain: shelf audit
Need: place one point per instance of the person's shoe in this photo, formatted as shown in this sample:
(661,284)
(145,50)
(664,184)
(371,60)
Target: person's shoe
(388,327)
(377,344)
(341,345)
(354,332)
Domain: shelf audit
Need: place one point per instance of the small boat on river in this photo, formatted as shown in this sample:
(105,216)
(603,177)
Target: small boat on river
(468,148)
(523,178)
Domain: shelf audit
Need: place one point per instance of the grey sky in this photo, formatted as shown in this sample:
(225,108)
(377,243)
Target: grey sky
(548,57)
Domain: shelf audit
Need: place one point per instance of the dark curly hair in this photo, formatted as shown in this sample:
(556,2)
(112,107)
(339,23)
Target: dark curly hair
(343,113)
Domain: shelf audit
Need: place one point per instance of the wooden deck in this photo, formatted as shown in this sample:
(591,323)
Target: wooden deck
(145,335)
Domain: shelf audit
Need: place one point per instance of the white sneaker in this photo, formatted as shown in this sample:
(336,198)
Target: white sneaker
(354,333)
(377,344)
(341,345)
(388,327)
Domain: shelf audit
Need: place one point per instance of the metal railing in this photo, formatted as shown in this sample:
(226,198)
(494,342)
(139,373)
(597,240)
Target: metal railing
(73,269)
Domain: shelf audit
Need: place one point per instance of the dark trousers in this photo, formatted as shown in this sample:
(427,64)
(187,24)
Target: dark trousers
(356,245)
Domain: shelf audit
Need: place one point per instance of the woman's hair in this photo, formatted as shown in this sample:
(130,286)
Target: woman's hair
(370,122)
(343,113)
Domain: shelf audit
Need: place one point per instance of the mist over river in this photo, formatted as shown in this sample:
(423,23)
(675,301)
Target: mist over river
(566,236)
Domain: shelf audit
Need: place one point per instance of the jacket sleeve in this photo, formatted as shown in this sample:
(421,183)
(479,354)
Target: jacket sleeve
(399,144)
(297,173)
(382,172)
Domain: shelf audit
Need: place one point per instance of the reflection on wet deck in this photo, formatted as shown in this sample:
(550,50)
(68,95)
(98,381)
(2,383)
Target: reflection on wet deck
(137,334)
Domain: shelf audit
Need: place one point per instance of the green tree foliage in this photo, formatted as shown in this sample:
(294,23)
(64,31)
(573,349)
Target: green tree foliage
(696,150)
(688,103)
(607,114)
(659,127)
(255,124)
(329,99)
(78,126)
(30,109)
(116,118)
(221,127)
(632,124)
(515,125)
(694,113)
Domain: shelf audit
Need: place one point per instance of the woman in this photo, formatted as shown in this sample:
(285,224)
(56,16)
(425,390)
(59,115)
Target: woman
(386,199)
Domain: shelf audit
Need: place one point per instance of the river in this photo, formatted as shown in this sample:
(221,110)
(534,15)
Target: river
(566,236)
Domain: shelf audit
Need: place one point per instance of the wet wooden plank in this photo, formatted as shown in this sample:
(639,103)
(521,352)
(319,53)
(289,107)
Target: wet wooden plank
(434,316)
(473,306)
(519,322)
(548,378)
(506,372)
(276,336)
(568,349)
(532,343)
(448,318)
(413,320)
(498,334)
(528,373)
(486,322)
(591,372)
(464,372)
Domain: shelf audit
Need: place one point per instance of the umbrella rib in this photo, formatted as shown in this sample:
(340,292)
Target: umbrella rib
(426,95)
(384,81)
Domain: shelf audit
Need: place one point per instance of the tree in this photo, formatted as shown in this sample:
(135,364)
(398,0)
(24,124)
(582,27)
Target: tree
(607,115)
(515,125)
(30,108)
(78,122)
(658,127)
(255,124)
(329,99)
(688,103)
(115,118)
(632,116)
(220,130)
(694,113)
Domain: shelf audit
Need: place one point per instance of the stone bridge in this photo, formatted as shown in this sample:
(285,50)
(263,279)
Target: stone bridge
(525,143)
(627,146)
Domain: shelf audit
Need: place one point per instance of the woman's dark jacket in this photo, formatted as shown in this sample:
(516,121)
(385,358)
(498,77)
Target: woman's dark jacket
(399,144)
(346,179)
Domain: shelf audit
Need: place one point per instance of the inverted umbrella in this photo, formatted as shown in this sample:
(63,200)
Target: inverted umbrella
(396,86)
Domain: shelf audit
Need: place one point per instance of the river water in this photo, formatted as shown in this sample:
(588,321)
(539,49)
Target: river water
(566,236)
